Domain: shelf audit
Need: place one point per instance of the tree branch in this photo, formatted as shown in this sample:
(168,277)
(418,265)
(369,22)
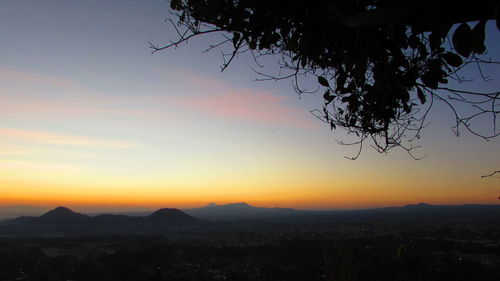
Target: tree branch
(491,174)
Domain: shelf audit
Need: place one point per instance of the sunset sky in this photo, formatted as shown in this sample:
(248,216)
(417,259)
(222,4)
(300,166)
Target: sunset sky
(90,119)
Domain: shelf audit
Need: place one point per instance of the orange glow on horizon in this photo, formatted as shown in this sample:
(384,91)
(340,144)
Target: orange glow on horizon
(301,198)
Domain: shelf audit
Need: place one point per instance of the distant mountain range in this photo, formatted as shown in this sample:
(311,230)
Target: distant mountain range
(238,211)
(243,211)
(64,220)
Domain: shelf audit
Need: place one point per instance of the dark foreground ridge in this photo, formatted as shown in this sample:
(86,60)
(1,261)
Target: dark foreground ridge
(410,243)
(62,219)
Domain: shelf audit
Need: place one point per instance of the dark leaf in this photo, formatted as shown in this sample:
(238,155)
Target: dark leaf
(322,80)
(332,125)
(352,122)
(413,41)
(478,33)
(176,4)
(434,41)
(405,96)
(252,44)
(461,40)
(429,80)
(435,66)
(328,97)
(359,73)
(421,96)
(406,108)
(452,59)
(341,81)
(303,63)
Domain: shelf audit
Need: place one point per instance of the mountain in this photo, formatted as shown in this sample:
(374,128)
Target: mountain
(419,205)
(170,217)
(62,215)
(64,220)
(237,211)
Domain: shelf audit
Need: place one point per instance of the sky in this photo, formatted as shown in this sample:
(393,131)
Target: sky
(90,119)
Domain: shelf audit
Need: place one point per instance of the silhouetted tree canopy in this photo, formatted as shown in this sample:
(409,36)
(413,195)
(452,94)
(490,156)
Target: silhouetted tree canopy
(381,63)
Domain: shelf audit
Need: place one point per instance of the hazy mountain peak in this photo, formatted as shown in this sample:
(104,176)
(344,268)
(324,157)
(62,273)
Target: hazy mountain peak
(170,216)
(59,211)
(63,209)
(167,211)
(239,204)
(419,205)
(240,210)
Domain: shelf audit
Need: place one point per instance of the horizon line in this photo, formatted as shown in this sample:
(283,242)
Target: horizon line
(119,210)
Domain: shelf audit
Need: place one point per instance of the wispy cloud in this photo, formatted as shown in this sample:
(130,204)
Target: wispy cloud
(208,95)
(60,139)
(27,77)
(238,103)
(20,94)
(47,109)
(22,151)
(41,166)
(247,105)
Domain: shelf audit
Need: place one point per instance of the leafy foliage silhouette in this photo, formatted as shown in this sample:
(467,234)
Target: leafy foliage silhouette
(389,61)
